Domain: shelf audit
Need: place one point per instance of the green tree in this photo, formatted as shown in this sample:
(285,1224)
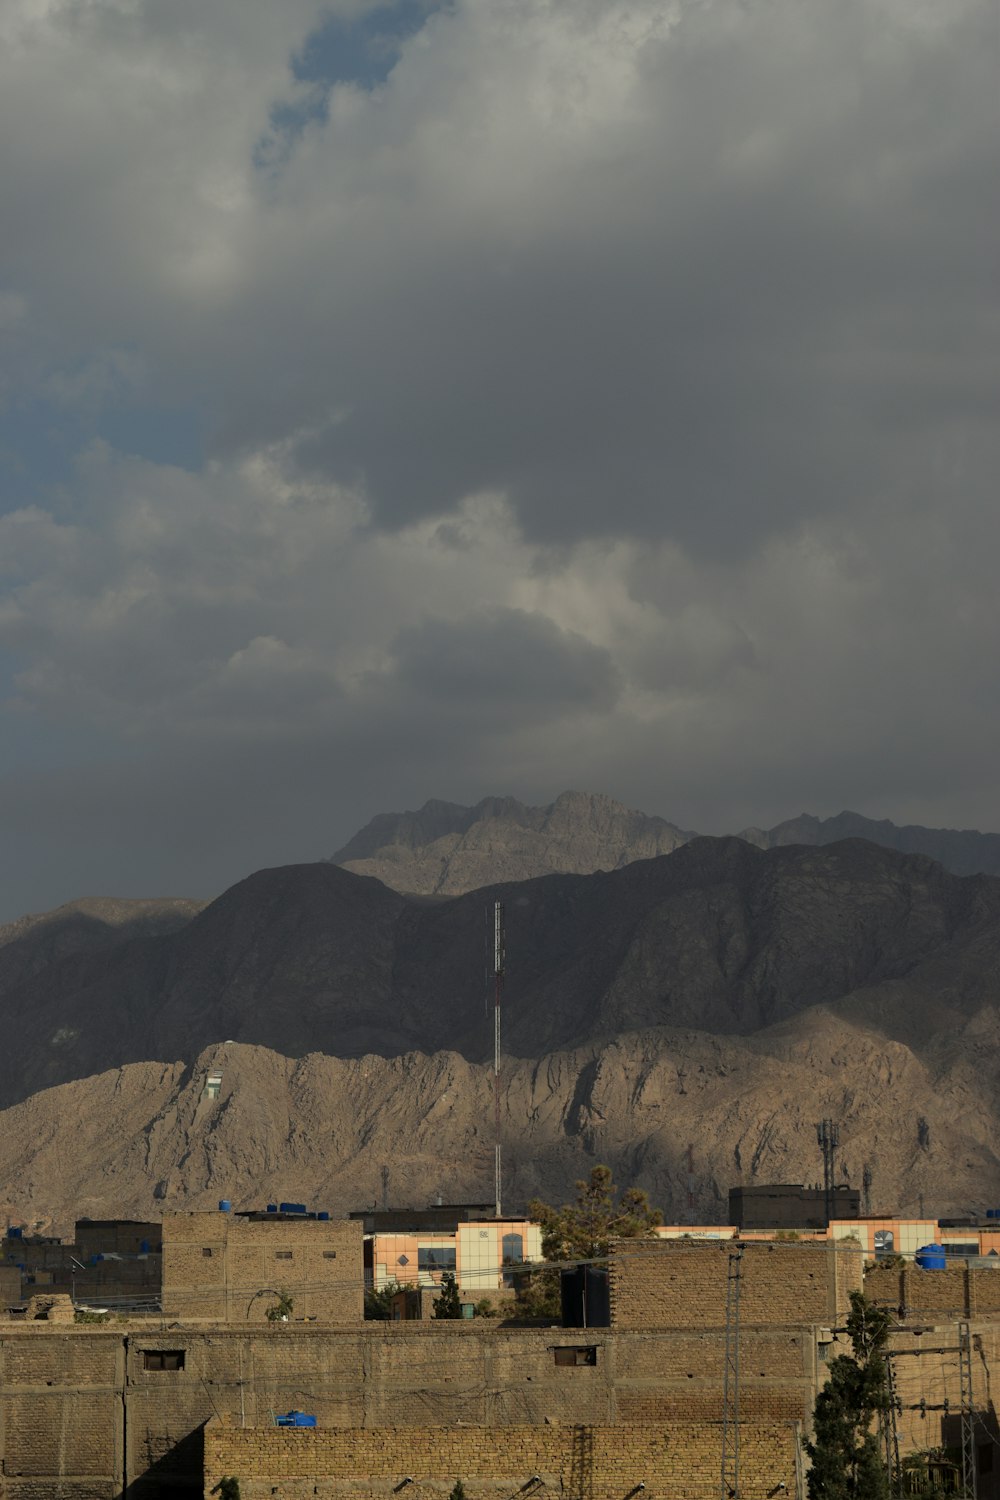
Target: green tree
(583,1230)
(846,1460)
(449,1304)
(280,1311)
(457,1491)
(378,1304)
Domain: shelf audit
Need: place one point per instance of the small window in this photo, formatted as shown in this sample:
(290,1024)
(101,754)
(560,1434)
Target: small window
(329,1255)
(163,1359)
(282,1254)
(576,1354)
(207,1252)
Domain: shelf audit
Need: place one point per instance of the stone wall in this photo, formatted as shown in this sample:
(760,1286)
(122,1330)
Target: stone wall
(682,1283)
(215,1264)
(671,1461)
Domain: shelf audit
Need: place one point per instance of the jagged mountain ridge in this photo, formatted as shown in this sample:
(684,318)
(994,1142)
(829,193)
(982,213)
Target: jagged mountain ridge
(448,849)
(143,1139)
(720,936)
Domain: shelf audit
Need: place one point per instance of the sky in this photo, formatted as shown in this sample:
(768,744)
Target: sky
(489,397)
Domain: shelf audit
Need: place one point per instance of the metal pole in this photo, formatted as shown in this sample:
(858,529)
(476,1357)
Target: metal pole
(730,1478)
(498,964)
(968,1412)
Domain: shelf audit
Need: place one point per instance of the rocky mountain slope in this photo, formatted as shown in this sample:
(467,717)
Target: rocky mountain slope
(961,850)
(720,936)
(143,1139)
(447,849)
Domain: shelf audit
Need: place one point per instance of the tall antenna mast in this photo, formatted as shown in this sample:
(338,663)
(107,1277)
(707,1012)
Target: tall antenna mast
(498,961)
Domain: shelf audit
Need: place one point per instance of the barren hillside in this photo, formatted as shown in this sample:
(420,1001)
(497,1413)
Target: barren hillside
(142,1139)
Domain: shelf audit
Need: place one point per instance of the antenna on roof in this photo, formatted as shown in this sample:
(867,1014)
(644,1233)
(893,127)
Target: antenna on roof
(828,1139)
(498,968)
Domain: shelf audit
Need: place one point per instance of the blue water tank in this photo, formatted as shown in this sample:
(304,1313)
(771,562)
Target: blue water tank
(15,1233)
(323,1215)
(993,1213)
(225,1206)
(143,1247)
(272,1208)
(296,1419)
(931,1258)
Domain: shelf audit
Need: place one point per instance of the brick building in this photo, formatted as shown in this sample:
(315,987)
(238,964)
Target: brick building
(90,1413)
(223,1267)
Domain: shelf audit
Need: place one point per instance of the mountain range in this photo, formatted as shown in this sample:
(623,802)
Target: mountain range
(445,849)
(724,997)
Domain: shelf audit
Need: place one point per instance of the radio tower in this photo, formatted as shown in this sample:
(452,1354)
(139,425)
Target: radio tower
(498,961)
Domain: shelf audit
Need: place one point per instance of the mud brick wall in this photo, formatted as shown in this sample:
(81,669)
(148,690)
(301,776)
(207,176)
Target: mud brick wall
(60,1415)
(214,1263)
(956,1291)
(90,1405)
(673,1461)
(679,1376)
(928,1389)
(682,1284)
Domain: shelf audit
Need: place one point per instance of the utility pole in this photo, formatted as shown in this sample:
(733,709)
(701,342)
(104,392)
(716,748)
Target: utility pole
(730,1478)
(690,1182)
(968,1412)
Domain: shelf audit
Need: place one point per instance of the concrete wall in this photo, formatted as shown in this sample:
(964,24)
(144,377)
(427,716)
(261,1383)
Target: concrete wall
(676,1462)
(682,1284)
(214,1264)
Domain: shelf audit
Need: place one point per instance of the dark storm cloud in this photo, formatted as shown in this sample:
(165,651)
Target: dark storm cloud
(507,661)
(605,398)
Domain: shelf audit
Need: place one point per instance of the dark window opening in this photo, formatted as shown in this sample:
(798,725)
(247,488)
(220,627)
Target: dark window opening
(435,1258)
(163,1359)
(282,1254)
(572,1354)
(329,1255)
(206,1252)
